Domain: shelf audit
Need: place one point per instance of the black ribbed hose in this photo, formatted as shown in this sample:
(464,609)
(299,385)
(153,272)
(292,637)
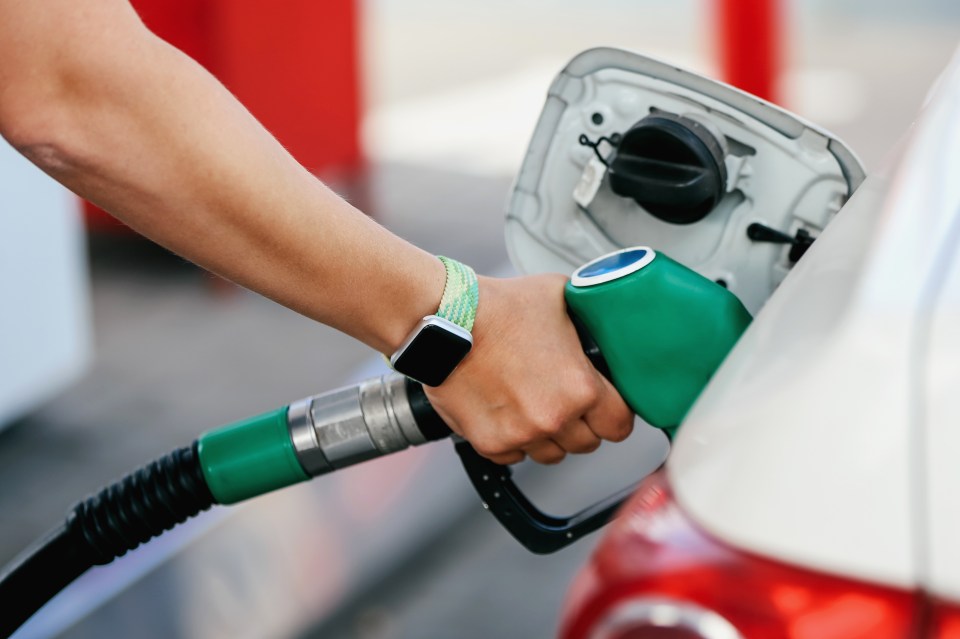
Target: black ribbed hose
(101,528)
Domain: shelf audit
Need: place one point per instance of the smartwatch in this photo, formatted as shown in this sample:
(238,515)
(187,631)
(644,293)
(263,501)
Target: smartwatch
(439,342)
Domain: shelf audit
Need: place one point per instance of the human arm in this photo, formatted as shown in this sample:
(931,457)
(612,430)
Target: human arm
(125,120)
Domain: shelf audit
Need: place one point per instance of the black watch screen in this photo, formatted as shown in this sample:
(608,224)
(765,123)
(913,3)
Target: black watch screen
(432,354)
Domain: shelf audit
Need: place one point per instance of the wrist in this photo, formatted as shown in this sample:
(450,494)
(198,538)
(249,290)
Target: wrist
(442,339)
(415,294)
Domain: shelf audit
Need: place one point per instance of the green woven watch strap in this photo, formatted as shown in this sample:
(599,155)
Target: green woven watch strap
(461,294)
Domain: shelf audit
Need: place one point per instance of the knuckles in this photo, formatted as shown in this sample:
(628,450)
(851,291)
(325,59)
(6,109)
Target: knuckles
(584,390)
(546,424)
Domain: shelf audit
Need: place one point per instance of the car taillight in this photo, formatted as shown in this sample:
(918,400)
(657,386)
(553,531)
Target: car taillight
(657,575)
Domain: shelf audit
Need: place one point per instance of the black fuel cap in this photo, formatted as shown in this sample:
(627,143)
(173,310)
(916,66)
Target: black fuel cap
(670,165)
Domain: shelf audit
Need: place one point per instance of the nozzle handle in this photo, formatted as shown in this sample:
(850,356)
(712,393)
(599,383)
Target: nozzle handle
(537,531)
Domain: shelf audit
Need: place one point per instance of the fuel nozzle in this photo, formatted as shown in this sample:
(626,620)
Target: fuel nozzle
(661,328)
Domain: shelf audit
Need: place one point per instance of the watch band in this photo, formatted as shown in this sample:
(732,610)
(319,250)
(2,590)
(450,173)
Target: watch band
(439,342)
(461,294)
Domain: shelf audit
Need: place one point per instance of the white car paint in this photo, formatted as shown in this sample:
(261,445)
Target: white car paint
(829,436)
(932,174)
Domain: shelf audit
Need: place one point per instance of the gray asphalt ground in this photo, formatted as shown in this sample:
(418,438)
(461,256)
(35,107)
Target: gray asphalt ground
(178,352)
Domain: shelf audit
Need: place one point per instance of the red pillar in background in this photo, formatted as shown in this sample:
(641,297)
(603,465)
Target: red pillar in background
(294,64)
(750,43)
(186,24)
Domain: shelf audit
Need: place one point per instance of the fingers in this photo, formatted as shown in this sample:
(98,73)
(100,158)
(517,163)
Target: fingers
(574,437)
(610,418)
(606,417)
(577,437)
(507,459)
(545,452)
(503,458)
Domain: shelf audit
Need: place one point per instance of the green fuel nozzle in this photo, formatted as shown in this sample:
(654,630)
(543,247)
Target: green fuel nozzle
(661,328)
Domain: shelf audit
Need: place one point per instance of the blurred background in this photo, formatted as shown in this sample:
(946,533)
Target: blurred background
(113,351)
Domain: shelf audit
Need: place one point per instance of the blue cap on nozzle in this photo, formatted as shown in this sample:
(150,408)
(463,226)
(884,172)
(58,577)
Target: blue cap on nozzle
(612,266)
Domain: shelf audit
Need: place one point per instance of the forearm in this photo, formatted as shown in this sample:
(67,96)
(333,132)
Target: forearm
(146,133)
(133,125)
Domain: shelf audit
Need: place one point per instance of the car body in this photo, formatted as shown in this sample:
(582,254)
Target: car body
(812,490)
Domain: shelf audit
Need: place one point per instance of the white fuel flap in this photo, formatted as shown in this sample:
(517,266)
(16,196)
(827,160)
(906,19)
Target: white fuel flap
(632,151)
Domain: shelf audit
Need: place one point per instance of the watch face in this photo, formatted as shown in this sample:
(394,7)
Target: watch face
(432,355)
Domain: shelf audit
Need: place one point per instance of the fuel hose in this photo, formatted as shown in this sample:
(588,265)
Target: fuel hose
(233,463)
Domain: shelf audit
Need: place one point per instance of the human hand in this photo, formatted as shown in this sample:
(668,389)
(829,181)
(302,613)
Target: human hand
(526,388)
